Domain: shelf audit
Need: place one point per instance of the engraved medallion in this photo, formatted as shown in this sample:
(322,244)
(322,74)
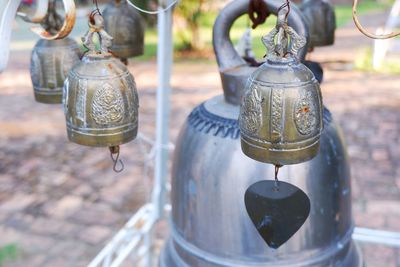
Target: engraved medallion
(107,105)
(306,114)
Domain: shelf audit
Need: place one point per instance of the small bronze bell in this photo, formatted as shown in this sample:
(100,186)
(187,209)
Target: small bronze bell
(281,112)
(51,60)
(100,97)
(127,27)
(320,17)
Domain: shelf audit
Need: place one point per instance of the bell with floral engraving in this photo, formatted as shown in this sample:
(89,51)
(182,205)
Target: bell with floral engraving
(51,60)
(281,111)
(100,96)
(320,17)
(127,27)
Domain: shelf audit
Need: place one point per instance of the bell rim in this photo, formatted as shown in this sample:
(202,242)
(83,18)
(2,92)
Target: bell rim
(102,140)
(281,153)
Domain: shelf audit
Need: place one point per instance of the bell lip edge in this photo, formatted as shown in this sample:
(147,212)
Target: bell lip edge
(87,140)
(287,157)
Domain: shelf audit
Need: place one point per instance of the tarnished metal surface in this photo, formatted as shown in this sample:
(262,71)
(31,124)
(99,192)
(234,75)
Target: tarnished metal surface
(51,60)
(321,21)
(100,96)
(281,111)
(50,63)
(210,226)
(127,27)
(233,69)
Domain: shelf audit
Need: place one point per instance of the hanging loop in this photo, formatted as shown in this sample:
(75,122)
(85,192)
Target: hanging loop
(279,46)
(66,28)
(259,8)
(364,31)
(114,151)
(96,24)
(53,21)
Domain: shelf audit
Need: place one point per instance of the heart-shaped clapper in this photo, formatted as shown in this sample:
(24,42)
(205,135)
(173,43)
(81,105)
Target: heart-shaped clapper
(277,209)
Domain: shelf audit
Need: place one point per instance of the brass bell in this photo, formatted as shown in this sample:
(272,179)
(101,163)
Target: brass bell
(100,97)
(51,60)
(281,111)
(127,27)
(320,17)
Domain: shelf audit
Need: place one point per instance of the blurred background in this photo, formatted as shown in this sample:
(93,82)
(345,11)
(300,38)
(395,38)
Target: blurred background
(60,203)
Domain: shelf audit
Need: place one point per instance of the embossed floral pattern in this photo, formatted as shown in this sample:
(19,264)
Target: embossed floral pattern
(107,105)
(251,111)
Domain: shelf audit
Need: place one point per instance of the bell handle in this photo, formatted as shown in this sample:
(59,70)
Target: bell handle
(227,56)
(367,33)
(96,25)
(38,15)
(66,28)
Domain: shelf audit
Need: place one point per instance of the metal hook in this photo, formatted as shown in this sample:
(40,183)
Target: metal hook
(114,150)
(364,31)
(277,167)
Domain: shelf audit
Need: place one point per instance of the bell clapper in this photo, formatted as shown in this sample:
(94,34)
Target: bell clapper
(114,151)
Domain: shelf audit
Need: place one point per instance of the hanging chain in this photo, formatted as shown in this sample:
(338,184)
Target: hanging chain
(96,10)
(364,31)
(286,4)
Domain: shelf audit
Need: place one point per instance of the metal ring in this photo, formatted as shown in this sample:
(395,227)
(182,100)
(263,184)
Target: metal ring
(69,22)
(364,31)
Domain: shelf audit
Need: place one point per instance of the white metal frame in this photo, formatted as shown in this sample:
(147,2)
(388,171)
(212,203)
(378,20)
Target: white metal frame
(381,47)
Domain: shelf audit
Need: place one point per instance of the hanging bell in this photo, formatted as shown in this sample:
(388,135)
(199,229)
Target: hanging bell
(320,17)
(127,27)
(100,97)
(281,110)
(51,60)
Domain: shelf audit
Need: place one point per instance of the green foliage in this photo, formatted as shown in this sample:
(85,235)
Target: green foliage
(363,62)
(344,12)
(8,253)
(191,11)
(205,20)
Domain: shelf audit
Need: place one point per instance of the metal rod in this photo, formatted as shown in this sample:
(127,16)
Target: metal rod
(386,238)
(164,66)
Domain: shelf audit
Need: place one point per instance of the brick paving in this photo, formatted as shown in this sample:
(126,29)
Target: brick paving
(60,202)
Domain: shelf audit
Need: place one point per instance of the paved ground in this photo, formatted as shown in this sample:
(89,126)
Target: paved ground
(60,202)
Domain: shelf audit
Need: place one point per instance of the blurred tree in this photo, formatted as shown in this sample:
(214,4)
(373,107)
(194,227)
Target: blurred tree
(190,11)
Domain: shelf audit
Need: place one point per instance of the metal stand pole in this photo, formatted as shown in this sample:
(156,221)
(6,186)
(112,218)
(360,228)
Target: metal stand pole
(164,66)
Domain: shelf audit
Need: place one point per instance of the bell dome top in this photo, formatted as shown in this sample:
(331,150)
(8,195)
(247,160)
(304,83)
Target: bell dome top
(276,72)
